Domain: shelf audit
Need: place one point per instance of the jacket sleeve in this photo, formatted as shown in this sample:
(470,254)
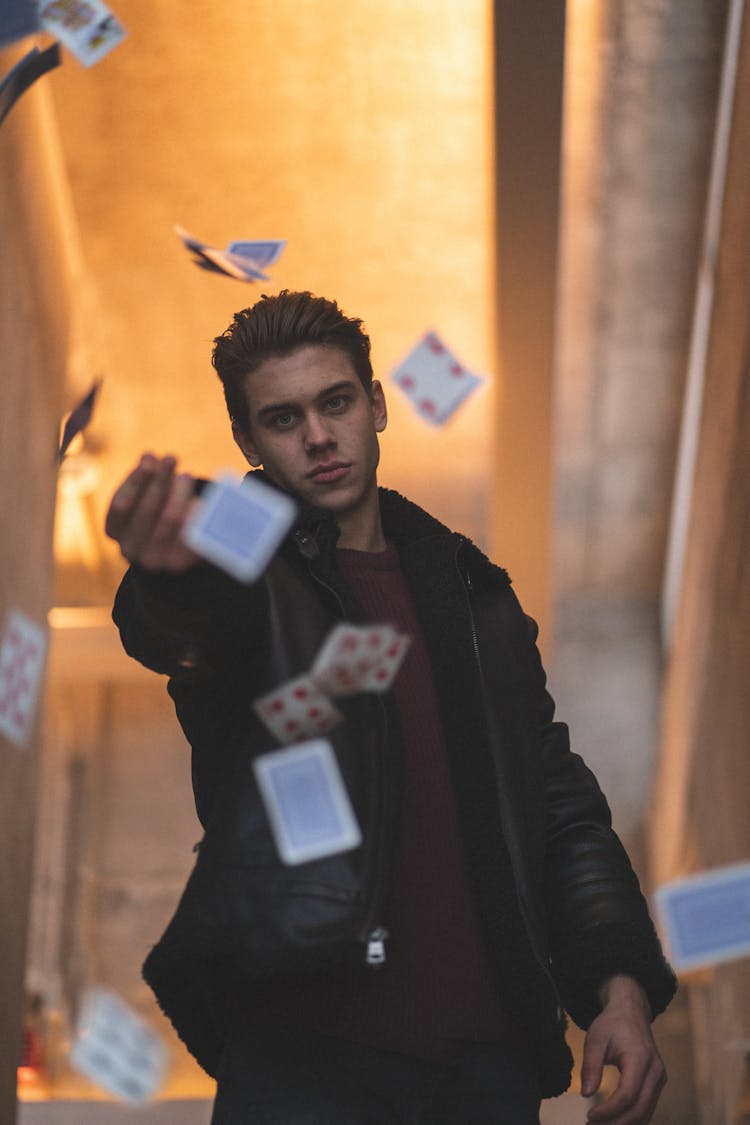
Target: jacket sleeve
(187,625)
(598,918)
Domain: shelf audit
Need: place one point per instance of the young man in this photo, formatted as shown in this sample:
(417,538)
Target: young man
(489,877)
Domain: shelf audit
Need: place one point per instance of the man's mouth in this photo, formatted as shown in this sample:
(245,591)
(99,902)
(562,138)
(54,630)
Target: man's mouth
(328,472)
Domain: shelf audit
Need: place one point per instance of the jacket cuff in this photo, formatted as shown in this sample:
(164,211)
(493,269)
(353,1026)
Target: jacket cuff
(583,967)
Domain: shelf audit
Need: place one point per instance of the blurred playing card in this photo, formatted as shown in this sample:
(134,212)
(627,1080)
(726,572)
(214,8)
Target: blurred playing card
(116,1049)
(242,259)
(306,801)
(22,652)
(359,658)
(86,27)
(79,418)
(706,917)
(297,709)
(434,381)
(17,19)
(26,71)
(239,524)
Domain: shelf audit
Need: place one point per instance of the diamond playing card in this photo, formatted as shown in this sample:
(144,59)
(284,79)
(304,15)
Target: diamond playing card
(308,807)
(359,658)
(86,27)
(434,381)
(706,917)
(238,525)
(117,1050)
(22,653)
(297,710)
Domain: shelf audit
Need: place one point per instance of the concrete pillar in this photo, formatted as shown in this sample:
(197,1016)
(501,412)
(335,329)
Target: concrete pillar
(529,51)
(700,817)
(33,345)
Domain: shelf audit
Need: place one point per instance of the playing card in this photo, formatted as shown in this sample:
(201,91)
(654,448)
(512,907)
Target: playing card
(308,807)
(358,658)
(116,1049)
(18,18)
(86,27)
(434,381)
(22,652)
(243,259)
(79,418)
(238,525)
(26,71)
(297,709)
(706,917)
(260,253)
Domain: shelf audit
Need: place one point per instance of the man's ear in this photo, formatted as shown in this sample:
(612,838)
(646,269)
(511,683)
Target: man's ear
(248,449)
(379,408)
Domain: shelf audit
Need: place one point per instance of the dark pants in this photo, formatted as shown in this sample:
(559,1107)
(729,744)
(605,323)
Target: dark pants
(321,1081)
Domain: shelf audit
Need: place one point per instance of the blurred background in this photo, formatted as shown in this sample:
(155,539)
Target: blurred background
(560,191)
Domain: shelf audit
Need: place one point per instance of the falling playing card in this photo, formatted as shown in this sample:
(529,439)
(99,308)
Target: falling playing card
(243,259)
(79,418)
(434,381)
(297,709)
(359,658)
(26,71)
(308,807)
(706,917)
(22,652)
(238,525)
(116,1049)
(86,27)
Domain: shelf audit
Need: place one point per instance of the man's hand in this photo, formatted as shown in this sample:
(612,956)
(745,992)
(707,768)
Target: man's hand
(147,513)
(621,1036)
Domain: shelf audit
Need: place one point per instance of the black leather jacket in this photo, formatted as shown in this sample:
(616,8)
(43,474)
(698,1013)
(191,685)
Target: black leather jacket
(556,894)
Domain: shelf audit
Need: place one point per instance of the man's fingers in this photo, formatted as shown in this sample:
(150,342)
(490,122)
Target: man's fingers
(164,548)
(126,497)
(636,1096)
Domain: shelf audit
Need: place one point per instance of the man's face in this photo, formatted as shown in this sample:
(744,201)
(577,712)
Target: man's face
(314,429)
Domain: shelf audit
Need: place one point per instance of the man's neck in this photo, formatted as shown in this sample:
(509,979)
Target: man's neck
(362,531)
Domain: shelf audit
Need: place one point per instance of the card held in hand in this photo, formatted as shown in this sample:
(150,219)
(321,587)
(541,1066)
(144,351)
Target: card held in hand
(239,524)
(306,801)
(706,917)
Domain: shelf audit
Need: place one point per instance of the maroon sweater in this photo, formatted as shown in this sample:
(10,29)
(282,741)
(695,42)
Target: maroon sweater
(437,985)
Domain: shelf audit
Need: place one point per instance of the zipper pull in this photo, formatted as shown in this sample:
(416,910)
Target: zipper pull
(375,947)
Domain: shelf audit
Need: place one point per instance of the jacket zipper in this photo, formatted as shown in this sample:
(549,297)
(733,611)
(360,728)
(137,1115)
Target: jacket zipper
(372,935)
(541,962)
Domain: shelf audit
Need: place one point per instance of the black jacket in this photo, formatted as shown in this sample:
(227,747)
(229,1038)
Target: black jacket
(559,902)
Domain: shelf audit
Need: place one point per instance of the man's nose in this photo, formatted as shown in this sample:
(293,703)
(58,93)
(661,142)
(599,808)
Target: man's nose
(317,434)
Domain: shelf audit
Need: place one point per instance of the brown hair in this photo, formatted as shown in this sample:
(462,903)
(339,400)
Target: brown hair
(276,326)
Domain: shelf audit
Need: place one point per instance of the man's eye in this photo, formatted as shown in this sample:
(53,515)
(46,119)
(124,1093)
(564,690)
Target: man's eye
(283,421)
(338,402)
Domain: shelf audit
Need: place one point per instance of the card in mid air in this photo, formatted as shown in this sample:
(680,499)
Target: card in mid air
(23,649)
(296,710)
(308,807)
(243,259)
(86,27)
(26,71)
(706,917)
(357,658)
(434,381)
(238,525)
(117,1050)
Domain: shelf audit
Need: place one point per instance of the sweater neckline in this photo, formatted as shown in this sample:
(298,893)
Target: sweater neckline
(369,560)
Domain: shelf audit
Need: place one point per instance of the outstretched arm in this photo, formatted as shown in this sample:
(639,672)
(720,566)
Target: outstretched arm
(621,1036)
